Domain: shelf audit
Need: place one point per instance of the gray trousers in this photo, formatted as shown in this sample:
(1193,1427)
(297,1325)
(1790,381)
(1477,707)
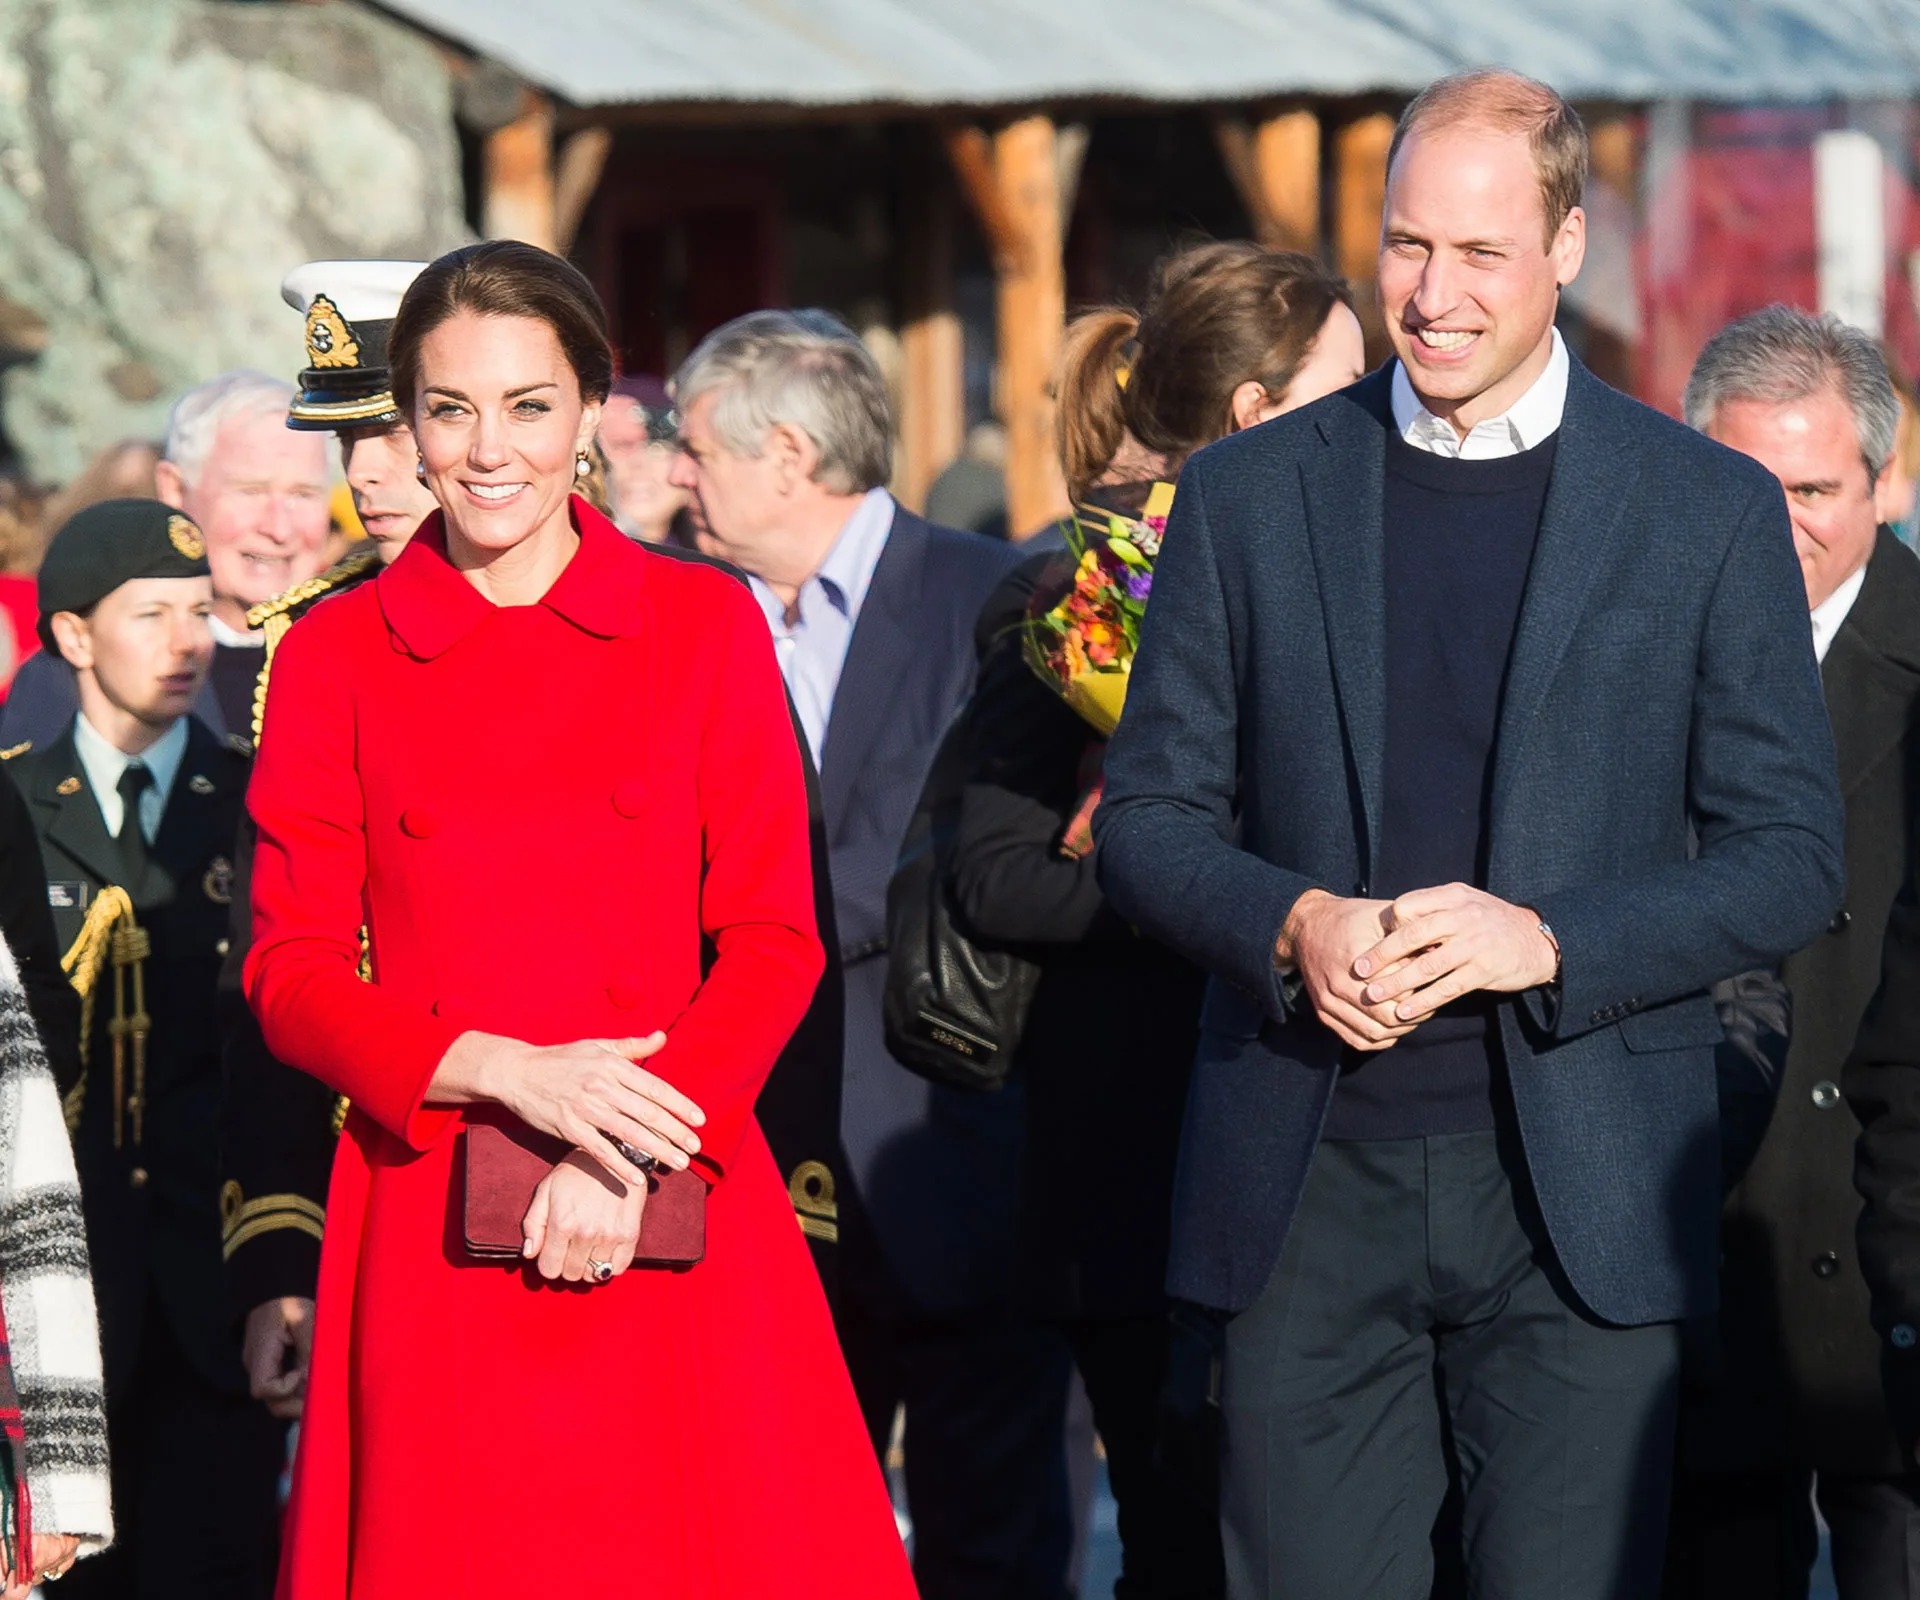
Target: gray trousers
(1418,1351)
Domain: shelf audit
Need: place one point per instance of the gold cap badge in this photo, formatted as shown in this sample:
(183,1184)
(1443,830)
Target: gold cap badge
(330,342)
(185,537)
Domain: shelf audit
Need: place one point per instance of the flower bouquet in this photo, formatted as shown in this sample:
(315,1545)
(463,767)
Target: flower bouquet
(1081,643)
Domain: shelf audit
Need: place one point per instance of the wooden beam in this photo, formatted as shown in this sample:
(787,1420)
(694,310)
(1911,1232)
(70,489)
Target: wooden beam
(517,168)
(1613,139)
(1275,168)
(970,151)
(933,402)
(1359,198)
(583,158)
(1031,317)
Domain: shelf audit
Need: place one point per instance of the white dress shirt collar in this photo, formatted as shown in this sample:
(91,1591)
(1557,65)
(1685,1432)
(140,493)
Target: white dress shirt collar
(1832,611)
(103,763)
(235,638)
(1524,424)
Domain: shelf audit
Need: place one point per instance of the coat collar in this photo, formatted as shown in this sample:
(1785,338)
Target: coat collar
(1872,672)
(430,607)
(1346,490)
(870,677)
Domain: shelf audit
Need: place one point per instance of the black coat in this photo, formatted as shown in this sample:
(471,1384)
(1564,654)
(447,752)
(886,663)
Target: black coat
(26,921)
(1109,1043)
(1799,1377)
(278,1126)
(153,1224)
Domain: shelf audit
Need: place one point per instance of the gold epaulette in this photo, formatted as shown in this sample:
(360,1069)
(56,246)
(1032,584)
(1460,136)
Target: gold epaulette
(242,1219)
(273,615)
(17,750)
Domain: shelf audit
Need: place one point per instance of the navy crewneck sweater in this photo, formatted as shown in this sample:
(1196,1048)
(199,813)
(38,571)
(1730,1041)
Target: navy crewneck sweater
(1459,543)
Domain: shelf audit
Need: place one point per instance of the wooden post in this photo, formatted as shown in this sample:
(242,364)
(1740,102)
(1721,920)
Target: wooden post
(932,345)
(1359,197)
(518,172)
(583,158)
(1275,167)
(1013,179)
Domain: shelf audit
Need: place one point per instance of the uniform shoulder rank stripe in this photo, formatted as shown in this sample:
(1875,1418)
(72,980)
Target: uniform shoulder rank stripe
(18,750)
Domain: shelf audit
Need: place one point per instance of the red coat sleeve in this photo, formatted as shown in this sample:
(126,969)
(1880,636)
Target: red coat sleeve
(756,899)
(309,902)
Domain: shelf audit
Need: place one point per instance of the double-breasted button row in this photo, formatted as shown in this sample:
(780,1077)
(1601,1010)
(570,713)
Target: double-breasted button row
(625,993)
(423,822)
(1614,1013)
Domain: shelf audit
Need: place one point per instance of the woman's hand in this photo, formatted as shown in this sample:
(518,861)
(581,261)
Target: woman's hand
(581,1215)
(53,1553)
(588,1093)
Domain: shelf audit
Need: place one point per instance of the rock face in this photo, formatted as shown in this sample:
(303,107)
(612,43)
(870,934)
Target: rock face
(164,162)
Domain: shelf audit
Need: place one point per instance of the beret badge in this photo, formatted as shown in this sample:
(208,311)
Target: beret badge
(330,342)
(186,538)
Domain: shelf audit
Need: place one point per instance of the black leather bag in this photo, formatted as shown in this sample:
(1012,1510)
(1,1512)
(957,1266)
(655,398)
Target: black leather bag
(954,1006)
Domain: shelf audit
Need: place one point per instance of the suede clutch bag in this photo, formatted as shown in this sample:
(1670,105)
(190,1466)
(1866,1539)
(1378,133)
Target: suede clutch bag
(504,1165)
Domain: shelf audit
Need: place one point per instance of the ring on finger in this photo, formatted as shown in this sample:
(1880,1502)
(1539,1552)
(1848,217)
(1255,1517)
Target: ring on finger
(599,1271)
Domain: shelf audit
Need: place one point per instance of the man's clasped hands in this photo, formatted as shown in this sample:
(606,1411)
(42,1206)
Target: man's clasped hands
(1376,969)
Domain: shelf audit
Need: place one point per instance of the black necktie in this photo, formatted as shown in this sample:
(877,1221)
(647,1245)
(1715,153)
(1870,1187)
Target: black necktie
(134,782)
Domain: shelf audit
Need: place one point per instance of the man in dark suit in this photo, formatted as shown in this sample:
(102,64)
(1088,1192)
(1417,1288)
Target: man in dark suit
(1438,677)
(787,441)
(1789,1394)
(137,805)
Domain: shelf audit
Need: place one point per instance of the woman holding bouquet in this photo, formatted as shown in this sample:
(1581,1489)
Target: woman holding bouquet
(606,942)
(1232,336)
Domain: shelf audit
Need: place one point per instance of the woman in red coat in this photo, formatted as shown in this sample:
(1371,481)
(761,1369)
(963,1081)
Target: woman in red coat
(536,914)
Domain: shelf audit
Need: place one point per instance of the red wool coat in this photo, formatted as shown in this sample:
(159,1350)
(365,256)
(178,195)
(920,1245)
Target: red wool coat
(538,812)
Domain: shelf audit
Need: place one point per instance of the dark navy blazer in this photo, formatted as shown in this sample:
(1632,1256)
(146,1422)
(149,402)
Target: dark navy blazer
(936,1171)
(1662,674)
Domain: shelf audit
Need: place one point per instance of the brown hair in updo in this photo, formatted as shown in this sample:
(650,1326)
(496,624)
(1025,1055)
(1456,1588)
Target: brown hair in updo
(503,278)
(1219,315)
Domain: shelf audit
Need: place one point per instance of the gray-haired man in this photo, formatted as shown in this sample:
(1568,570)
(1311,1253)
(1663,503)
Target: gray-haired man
(1793,1392)
(787,444)
(259,494)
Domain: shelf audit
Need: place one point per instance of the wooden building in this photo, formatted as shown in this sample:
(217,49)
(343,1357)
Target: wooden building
(953,176)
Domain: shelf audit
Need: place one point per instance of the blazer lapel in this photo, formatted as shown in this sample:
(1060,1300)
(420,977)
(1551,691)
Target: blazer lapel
(870,677)
(1868,676)
(1345,484)
(1591,484)
(72,816)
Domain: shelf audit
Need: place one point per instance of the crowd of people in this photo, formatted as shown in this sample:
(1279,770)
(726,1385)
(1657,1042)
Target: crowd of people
(1459,1129)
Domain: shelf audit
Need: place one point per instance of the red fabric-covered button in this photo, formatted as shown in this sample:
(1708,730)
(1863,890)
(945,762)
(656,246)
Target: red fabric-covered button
(624,993)
(630,797)
(419,822)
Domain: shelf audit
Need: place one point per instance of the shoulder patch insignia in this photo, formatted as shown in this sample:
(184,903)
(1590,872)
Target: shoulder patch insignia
(18,750)
(330,342)
(67,786)
(185,537)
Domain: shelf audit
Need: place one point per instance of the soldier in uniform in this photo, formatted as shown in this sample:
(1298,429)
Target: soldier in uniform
(278,1126)
(136,805)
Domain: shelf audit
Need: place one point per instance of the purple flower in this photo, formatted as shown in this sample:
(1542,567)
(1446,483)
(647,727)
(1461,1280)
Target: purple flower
(1139,585)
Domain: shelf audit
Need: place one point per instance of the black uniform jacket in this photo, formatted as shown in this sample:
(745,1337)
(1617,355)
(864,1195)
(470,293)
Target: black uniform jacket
(26,921)
(278,1126)
(1109,1043)
(1800,1362)
(150,1199)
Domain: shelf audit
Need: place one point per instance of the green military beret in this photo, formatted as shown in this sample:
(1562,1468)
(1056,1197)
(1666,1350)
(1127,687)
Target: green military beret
(111,543)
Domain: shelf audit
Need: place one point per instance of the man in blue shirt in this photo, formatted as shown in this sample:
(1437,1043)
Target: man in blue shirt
(787,446)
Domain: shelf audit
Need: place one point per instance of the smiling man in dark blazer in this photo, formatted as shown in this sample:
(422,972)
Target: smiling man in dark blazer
(786,443)
(1439,677)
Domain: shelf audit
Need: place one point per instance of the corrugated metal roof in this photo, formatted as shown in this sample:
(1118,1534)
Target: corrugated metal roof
(823,53)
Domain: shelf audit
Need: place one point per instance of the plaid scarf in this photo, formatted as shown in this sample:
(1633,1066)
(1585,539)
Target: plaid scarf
(16,1513)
